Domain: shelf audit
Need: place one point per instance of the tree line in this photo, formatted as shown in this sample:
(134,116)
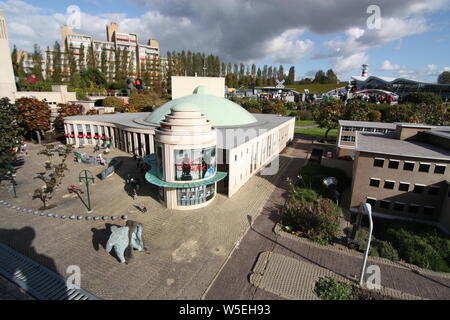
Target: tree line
(85,67)
(187,63)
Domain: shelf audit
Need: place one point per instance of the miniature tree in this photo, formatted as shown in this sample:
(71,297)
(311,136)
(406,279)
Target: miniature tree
(53,175)
(67,110)
(35,116)
(328,114)
(10,135)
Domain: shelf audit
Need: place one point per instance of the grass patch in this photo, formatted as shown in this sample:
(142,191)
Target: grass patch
(316,87)
(305,122)
(317,132)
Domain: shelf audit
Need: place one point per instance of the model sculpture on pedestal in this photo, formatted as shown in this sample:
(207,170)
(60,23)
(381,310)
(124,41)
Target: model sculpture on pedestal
(125,240)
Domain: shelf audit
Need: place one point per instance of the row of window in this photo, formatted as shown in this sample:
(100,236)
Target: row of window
(409,165)
(348,138)
(404,186)
(366,129)
(401,206)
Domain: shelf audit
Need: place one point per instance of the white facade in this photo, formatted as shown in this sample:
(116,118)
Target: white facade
(7,80)
(183,86)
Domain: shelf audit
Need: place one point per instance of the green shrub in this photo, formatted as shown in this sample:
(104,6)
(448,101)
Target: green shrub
(305,195)
(318,220)
(305,115)
(291,113)
(253,110)
(374,115)
(418,250)
(81,95)
(385,249)
(423,98)
(274,107)
(329,289)
(115,102)
(251,103)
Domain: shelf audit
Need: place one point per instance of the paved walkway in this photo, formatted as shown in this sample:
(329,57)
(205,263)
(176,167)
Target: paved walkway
(233,282)
(186,248)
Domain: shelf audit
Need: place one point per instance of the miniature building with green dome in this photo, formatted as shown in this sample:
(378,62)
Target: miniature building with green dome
(195,146)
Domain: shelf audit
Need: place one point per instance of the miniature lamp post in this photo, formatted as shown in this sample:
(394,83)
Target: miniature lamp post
(87,178)
(367,209)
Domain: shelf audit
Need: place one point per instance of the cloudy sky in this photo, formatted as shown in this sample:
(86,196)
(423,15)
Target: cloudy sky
(411,38)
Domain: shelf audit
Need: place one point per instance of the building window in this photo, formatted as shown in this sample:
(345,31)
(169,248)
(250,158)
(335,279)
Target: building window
(433,190)
(388,184)
(196,195)
(424,167)
(374,182)
(346,138)
(428,211)
(195,164)
(413,208)
(393,164)
(371,201)
(378,162)
(403,186)
(399,206)
(440,169)
(408,166)
(384,204)
(419,188)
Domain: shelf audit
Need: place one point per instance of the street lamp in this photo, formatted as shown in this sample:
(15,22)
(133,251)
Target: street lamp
(88,177)
(366,209)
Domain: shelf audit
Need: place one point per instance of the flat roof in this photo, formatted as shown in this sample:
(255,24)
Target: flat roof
(226,140)
(368,124)
(389,145)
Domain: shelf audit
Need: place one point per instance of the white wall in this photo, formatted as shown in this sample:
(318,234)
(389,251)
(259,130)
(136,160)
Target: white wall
(184,86)
(7,80)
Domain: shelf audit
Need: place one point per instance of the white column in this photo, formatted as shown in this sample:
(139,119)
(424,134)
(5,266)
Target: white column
(113,136)
(75,131)
(129,144)
(151,142)
(143,145)
(84,134)
(136,147)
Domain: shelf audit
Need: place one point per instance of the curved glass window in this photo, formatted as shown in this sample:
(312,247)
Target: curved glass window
(193,196)
(195,164)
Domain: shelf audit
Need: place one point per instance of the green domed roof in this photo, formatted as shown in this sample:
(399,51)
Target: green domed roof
(220,111)
(185,106)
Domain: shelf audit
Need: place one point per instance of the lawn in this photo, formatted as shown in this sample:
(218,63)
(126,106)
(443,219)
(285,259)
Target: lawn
(318,132)
(316,87)
(305,123)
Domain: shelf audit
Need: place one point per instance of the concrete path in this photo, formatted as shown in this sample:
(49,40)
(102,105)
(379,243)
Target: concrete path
(234,280)
(186,248)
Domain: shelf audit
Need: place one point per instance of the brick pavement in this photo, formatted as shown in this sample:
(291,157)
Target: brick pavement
(233,280)
(187,248)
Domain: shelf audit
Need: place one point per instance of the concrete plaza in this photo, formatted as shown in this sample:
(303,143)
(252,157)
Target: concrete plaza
(186,248)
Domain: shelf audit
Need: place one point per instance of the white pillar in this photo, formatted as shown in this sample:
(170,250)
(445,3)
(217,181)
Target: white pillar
(151,142)
(143,145)
(136,146)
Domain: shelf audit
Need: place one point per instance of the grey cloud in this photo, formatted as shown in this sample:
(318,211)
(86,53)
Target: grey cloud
(242,30)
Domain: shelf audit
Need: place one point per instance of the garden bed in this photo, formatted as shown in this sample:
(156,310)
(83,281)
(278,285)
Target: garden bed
(328,288)
(411,242)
